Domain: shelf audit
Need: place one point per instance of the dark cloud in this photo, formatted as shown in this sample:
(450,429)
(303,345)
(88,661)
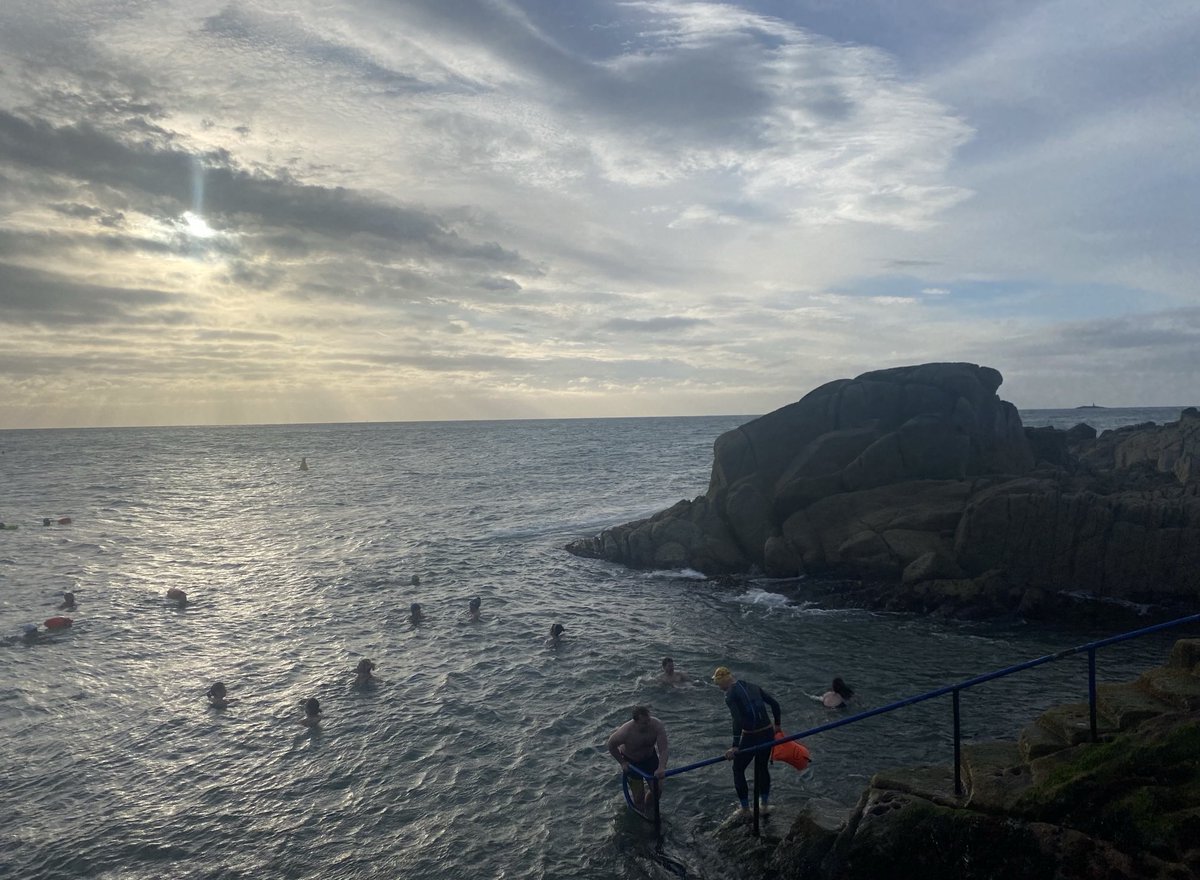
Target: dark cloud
(908,264)
(29,296)
(498,284)
(165,180)
(652,325)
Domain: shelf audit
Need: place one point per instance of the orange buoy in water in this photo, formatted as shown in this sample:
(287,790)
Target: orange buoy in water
(57,622)
(792,752)
(64,520)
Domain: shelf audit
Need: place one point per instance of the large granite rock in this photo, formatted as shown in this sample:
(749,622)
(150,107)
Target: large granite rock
(923,483)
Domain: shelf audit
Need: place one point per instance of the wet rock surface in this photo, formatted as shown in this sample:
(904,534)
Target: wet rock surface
(1124,808)
(921,484)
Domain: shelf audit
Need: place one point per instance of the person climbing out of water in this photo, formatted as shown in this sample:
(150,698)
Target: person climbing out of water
(362,672)
(641,742)
(312,712)
(68,602)
(415,614)
(669,675)
(837,697)
(178,596)
(556,632)
(473,609)
(217,695)
(752,726)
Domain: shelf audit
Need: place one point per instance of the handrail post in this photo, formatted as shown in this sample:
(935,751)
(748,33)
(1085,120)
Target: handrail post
(656,788)
(958,786)
(1092,691)
(756,772)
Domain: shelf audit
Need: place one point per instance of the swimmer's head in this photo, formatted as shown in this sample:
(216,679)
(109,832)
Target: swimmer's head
(723,677)
(474,604)
(415,608)
(416,581)
(557,630)
(312,707)
(364,665)
(640,714)
(217,691)
(668,664)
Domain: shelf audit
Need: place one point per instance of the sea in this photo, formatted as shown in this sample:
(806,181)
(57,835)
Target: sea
(479,751)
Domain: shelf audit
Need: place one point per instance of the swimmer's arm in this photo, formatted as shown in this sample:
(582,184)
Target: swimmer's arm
(615,742)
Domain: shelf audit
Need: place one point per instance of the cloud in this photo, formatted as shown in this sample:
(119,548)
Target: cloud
(471,207)
(653,325)
(30,296)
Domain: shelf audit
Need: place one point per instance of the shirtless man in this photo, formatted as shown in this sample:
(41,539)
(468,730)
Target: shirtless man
(642,742)
(669,675)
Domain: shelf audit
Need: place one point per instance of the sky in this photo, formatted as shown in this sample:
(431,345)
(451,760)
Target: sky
(391,210)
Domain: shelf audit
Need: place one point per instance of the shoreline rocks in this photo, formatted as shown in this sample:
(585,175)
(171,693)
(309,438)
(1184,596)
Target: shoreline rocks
(1048,804)
(922,479)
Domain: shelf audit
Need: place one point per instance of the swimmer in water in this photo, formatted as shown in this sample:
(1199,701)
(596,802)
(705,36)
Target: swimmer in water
(416,581)
(838,696)
(312,712)
(216,695)
(556,632)
(362,672)
(30,633)
(473,609)
(415,614)
(68,602)
(669,675)
(304,462)
(178,596)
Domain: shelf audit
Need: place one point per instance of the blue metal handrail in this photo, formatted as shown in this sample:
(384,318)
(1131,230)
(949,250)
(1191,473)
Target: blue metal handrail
(954,690)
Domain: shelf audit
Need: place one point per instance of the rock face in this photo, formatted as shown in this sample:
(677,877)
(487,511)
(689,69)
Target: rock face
(1049,805)
(924,479)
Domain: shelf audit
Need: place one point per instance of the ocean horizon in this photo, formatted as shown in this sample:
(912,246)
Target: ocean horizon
(480,749)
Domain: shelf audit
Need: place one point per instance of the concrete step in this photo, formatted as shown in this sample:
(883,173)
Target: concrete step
(1071,723)
(1127,705)
(996,774)
(933,783)
(1040,769)
(1036,742)
(1173,685)
(1185,655)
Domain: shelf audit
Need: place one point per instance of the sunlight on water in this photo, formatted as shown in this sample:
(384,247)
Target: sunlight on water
(479,750)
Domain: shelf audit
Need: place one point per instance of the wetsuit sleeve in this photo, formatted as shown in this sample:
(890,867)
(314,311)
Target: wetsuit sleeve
(774,704)
(736,718)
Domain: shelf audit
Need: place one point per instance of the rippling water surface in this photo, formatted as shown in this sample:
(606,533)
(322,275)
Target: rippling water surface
(479,751)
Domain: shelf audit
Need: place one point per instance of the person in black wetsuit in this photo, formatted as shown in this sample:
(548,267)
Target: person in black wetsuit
(751,727)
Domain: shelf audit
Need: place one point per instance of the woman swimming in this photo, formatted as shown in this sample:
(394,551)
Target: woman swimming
(838,696)
(216,695)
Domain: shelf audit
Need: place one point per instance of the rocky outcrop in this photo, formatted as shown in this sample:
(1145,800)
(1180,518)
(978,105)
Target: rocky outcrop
(922,482)
(1050,804)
